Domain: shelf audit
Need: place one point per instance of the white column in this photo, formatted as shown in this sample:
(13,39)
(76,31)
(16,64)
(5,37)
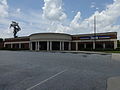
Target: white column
(115,44)
(63,46)
(69,46)
(36,46)
(60,45)
(104,45)
(47,45)
(4,45)
(76,46)
(19,45)
(85,45)
(11,45)
(30,45)
(50,45)
(93,45)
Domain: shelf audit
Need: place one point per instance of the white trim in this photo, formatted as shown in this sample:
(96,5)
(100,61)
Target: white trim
(16,42)
(50,40)
(92,40)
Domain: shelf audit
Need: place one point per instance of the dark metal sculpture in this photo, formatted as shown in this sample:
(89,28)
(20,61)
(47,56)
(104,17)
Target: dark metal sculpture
(15,27)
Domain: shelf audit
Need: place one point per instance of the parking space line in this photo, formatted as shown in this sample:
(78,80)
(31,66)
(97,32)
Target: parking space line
(46,80)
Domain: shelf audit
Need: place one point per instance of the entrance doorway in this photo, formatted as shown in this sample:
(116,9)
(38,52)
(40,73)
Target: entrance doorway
(43,45)
(33,45)
(56,45)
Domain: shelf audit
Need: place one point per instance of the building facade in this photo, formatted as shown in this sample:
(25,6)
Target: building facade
(63,42)
(17,43)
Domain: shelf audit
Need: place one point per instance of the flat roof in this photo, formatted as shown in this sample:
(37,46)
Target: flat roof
(109,33)
(19,37)
(50,33)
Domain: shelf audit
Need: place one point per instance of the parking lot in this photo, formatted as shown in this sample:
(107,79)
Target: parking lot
(23,70)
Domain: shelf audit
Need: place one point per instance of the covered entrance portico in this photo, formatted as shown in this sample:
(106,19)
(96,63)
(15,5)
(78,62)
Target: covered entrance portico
(50,45)
(50,42)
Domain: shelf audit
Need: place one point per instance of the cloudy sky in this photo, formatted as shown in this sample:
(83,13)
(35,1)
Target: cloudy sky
(62,16)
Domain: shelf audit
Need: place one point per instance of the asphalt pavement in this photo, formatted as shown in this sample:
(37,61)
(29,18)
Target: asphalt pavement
(24,70)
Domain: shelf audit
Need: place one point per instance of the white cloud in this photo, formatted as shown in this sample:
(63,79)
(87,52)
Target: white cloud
(106,20)
(3,8)
(92,6)
(3,20)
(55,20)
(53,10)
(75,22)
(18,10)
(107,17)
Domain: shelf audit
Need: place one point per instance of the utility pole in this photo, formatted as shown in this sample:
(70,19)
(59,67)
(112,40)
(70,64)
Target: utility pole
(94,38)
(95,26)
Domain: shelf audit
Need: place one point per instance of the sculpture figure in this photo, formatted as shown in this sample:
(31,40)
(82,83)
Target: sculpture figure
(16,28)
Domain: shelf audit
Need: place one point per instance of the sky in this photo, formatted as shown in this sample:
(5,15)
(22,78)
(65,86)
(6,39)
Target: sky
(59,16)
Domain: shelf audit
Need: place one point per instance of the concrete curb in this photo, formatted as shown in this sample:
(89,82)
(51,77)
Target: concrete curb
(86,52)
(77,52)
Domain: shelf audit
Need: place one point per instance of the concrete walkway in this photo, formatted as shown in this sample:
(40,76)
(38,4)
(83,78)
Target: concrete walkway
(116,56)
(113,83)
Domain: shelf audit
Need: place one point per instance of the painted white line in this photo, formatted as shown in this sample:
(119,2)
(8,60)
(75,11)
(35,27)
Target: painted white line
(46,80)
